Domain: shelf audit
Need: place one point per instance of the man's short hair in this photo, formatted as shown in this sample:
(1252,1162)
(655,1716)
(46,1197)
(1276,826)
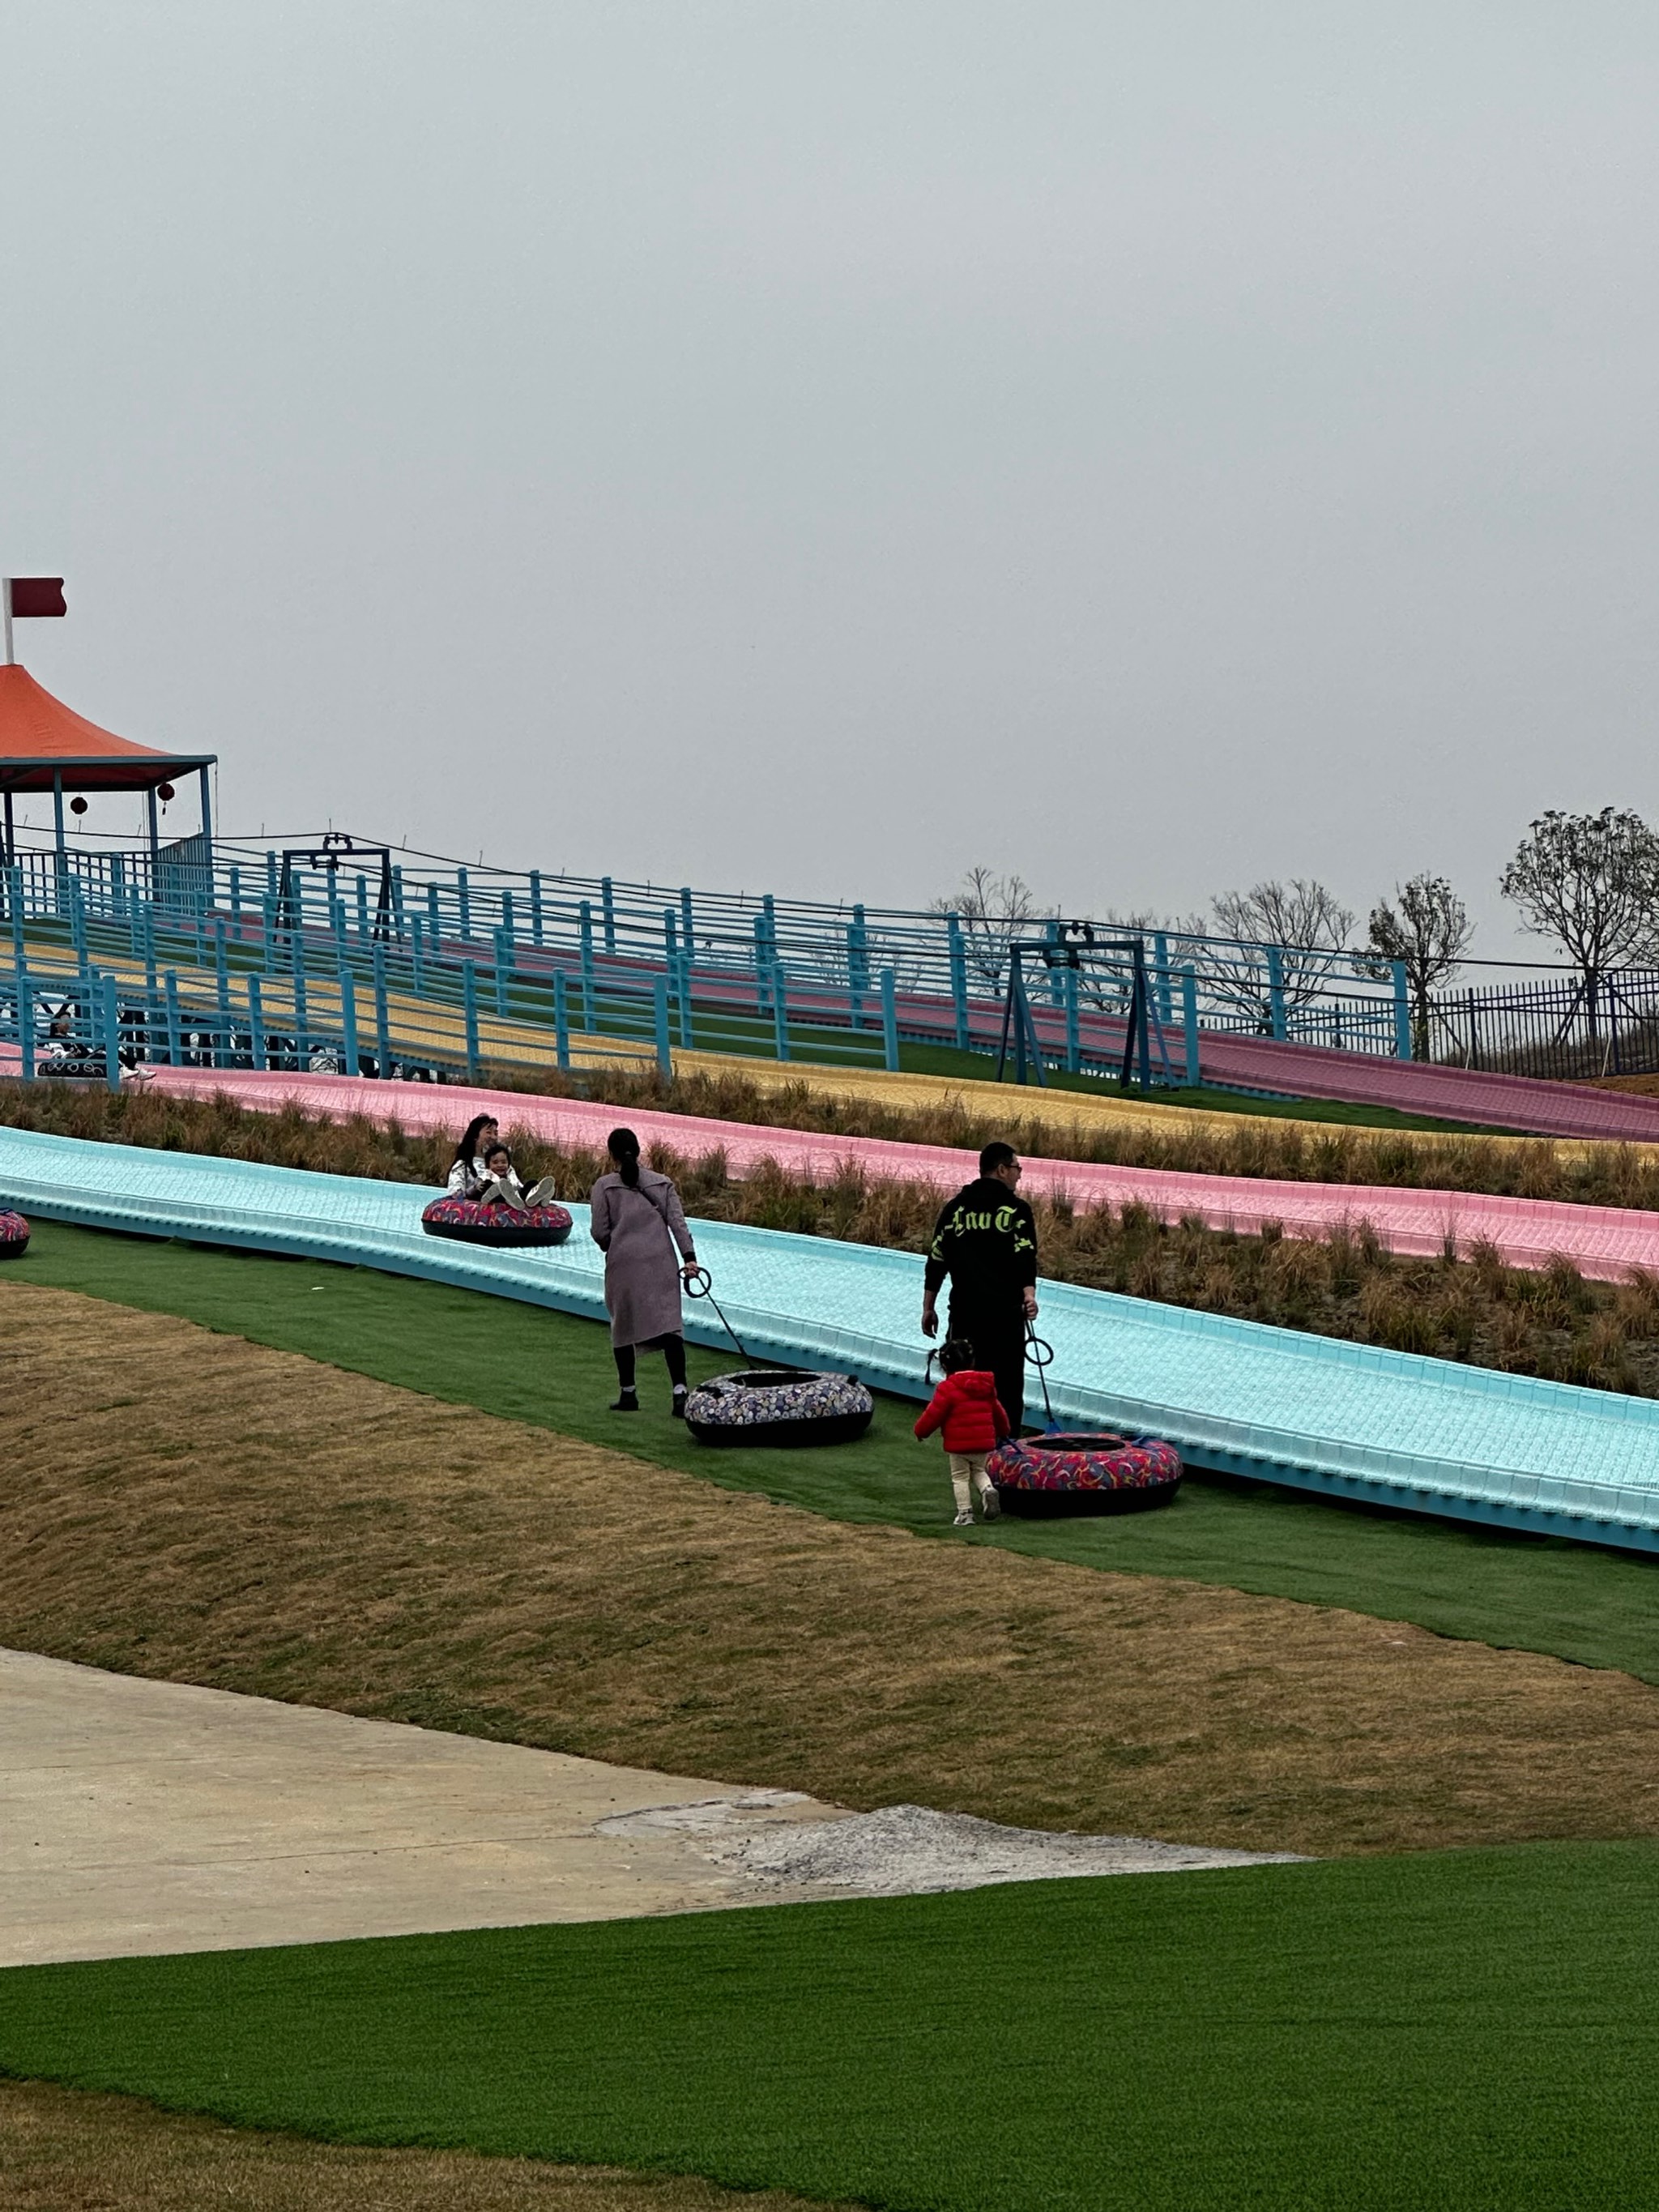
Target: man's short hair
(997,1156)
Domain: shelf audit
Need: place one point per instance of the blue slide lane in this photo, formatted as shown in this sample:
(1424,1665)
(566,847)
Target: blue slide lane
(1349,1420)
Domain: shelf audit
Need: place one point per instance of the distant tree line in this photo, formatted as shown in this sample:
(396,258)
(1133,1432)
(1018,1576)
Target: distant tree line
(1587,882)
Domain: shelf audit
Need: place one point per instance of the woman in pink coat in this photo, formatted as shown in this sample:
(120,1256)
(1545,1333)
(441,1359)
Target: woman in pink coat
(637,1222)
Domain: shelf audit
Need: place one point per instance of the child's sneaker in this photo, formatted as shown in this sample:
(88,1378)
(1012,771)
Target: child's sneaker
(989,1504)
(963,1520)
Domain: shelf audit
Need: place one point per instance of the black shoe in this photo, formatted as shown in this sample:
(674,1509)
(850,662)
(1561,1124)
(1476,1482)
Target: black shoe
(629,1402)
(678,1408)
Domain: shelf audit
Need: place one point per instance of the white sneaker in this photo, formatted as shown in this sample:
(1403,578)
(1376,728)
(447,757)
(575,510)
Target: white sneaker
(963,1520)
(989,1504)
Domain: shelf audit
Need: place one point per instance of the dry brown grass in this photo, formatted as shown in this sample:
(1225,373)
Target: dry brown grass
(64,2150)
(312,1535)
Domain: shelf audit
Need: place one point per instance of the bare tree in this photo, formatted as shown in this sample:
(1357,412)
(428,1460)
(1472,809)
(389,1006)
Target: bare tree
(1309,924)
(1591,881)
(992,910)
(1428,932)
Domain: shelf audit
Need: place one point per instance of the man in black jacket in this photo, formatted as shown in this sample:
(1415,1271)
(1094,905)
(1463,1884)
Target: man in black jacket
(985,1240)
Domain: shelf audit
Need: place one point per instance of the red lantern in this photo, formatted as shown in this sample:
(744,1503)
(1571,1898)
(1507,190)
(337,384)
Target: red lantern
(77,806)
(164,790)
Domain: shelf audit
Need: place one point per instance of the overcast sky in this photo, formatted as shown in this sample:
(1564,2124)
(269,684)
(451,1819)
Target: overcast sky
(818,447)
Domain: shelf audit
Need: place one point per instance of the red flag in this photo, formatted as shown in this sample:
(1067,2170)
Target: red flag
(37,595)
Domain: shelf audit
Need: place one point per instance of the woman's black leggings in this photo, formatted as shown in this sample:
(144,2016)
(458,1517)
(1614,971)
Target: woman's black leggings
(672,1349)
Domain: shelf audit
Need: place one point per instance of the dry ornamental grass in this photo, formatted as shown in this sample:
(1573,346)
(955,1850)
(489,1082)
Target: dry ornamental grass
(192,1507)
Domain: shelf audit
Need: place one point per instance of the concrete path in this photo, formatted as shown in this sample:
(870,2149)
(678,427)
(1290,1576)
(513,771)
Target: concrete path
(144,1817)
(139,1816)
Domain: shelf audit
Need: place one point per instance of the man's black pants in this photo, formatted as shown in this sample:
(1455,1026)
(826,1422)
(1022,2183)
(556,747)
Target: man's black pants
(998,1337)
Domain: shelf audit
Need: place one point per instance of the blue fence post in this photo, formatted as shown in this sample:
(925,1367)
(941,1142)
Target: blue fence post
(348,1021)
(222,973)
(561,1021)
(1402,1013)
(761,964)
(434,928)
(302,1020)
(890,1020)
(1161,981)
(1074,1037)
(78,906)
(507,922)
(470,1004)
(110,1023)
(608,908)
(362,908)
(503,972)
(417,974)
(14,901)
(1189,1022)
(855,998)
(665,1055)
(256,1023)
(382,1016)
(685,918)
(685,1000)
(175,1037)
(1056,975)
(118,888)
(587,919)
(779,1011)
(236,900)
(958,979)
(1276,991)
(536,906)
(463,901)
(271,878)
(671,938)
(397,902)
(26,1019)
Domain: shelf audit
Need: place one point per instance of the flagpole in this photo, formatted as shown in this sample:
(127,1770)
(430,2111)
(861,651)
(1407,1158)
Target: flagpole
(5,602)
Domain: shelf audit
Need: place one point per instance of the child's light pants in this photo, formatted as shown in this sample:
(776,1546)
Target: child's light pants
(966,1468)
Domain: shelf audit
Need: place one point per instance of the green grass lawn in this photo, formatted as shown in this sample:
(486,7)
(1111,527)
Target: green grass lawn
(1467,2032)
(554,1372)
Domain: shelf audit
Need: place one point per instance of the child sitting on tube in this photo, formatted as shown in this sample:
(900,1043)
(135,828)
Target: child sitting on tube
(502,1186)
(967,1407)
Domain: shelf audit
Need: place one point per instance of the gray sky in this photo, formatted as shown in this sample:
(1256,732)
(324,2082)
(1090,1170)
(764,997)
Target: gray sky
(818,447)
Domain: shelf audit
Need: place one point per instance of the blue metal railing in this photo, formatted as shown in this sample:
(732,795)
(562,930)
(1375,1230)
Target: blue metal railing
(743,974)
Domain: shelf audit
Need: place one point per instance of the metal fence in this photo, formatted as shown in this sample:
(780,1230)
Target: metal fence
(586,957)
(792,965)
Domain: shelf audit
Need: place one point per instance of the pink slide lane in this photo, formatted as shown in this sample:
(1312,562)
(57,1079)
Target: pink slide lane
(1604,1241)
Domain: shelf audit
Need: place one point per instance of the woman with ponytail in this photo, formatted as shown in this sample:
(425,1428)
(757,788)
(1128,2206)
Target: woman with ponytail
(637,1222)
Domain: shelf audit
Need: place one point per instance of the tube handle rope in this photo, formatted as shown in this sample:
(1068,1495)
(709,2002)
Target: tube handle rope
(1041,1354)
(699,1283)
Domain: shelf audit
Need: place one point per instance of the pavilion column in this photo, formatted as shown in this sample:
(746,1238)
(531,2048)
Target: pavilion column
(154,841)
(11,833)
(207,812)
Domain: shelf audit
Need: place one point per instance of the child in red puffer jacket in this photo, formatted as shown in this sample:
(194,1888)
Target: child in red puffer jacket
(967,1407)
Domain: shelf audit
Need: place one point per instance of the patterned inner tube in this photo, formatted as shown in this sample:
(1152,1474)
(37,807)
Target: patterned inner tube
(1098,1472)
(779,1405)
(13,1234)
(474,1223)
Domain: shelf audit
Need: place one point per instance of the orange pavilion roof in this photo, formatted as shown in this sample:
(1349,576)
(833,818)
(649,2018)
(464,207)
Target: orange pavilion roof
(41,739)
